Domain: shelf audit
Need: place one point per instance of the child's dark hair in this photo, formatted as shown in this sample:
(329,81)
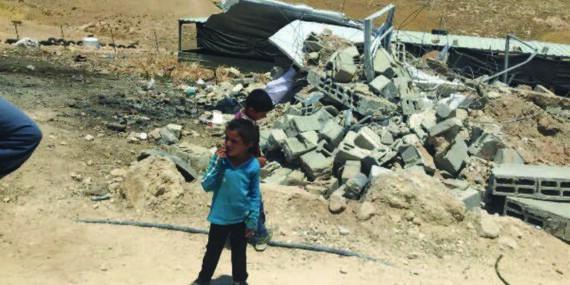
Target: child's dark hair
(259,101)
(248,132)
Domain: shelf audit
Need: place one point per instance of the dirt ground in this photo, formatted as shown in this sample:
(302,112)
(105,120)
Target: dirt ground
(41,242)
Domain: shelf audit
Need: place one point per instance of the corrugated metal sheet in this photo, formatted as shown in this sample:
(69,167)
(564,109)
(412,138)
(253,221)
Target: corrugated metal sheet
(480,43)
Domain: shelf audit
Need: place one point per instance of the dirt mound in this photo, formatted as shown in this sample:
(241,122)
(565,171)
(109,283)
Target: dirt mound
(151,183)
(423,198)
(536,134)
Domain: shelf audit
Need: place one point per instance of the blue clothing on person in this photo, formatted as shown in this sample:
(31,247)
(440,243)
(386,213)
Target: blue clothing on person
(19,137)
(236,191)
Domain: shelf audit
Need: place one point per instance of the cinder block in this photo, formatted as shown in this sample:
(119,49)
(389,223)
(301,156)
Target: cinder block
(354,186)
(348,151)
(552,217)
(508,156)
(411,105)
(486,146)
(332,133)
(386,137)
(276,139)
(378,157)
(384,86)
(306,123)
(454,159)
(293,148)
(351,168)
(531,181)
(417,155)
(367,139)
(311,138)
(315,164)
(383,64)
(451,126)
(471,198)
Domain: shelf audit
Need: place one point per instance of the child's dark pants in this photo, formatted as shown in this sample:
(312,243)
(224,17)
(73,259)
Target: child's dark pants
(216,239)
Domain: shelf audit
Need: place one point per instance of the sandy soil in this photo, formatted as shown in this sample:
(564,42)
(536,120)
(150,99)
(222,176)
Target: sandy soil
(40,242)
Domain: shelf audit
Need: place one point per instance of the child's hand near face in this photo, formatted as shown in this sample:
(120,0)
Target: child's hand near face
(221,152)
(249,232)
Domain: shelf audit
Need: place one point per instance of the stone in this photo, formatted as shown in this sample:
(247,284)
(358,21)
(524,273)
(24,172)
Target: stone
(377,171)
(417,155)
(509,156)
(337,203)
(315,164)
(345,67)
(454,159)
(386,137)
(488,227)
(326,183)
(296,178)
(155,134)
(175,129)
(168,137)
(369,105)
(470,198)
(132,138)
(444,111)
(343,231)
(182,165)
(311,137)
(89,138)
(366,211)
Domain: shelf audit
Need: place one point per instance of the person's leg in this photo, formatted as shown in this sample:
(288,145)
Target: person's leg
(19,137)
(216,239)
(239,258)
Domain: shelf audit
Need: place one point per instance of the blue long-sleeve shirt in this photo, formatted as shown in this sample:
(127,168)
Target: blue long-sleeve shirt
(236,191)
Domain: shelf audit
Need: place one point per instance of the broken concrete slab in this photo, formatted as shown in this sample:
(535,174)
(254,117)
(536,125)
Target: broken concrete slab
(276,139)
(385,87)
(310,138)
(378,157)
(333,133)
(508,156)
(383,64)
(411,105)
(553,217)
(386,137)
(315,164)
(449,126)
(454,159)
(417,155)
(444,111)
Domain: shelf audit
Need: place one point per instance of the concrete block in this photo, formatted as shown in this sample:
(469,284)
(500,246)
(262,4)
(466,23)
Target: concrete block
(351,168)
(347,151)
(378,157)
(311,137)
(508,156)
(332,133)
(354,186)
(369,105)
(384,86)
(449,126)
(417,155)
(411,105)
(345,72)
(306,123)
(454,159)
(471,198)
(315,164)
(531,181)
(293,148)
(276,139)
(552,217)
(386,137)
(366,138)
(383,64)
(486,146)
(425,119)
(279,176)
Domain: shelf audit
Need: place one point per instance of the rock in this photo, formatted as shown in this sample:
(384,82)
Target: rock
(30,67)
(343,231)
(175,129)
(118,172)
(508,243)
(488,227)
(508,155)
(155,134)
(132,138)
(337,203)
(89,138)
(366,211)
(548,126)
(168,137)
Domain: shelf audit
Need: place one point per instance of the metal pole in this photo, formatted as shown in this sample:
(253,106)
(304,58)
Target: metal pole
(368,49)
(179,36)
(507,50)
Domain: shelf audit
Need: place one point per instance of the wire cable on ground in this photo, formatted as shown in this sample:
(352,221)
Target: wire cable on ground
(275,243)
(498,272)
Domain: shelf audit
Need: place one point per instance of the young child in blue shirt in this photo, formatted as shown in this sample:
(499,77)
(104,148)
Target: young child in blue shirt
(233,177)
